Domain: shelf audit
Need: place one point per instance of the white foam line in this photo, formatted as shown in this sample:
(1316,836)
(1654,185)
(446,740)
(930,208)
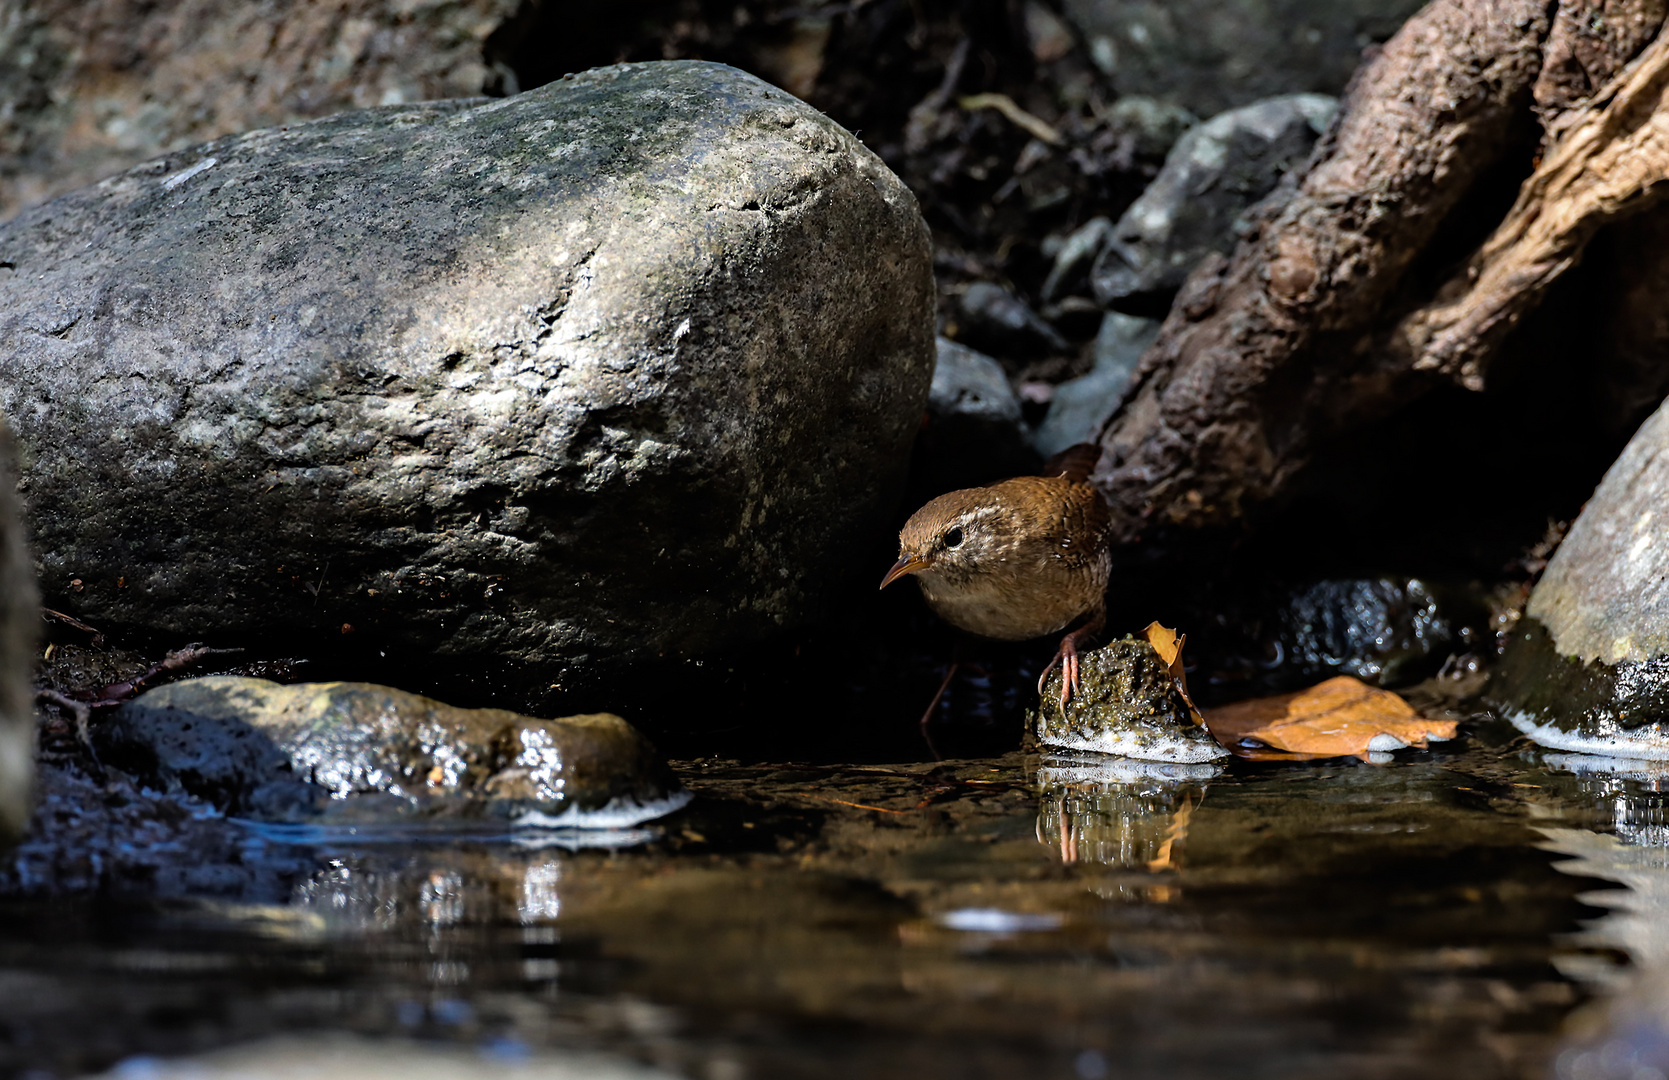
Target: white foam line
(620,813)
(1147,748)
(1619,745)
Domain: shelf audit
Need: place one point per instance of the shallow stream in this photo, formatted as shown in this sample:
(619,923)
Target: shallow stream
(1435,916)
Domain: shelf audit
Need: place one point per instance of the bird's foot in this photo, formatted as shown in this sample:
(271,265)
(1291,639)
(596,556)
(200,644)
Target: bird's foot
(1066,658)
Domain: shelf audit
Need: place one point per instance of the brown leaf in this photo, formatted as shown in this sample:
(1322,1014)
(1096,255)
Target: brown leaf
(1168,644)
(1339,717)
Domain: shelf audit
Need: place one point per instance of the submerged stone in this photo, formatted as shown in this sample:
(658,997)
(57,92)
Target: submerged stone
(293,753)
(1127,704)
(1588,668)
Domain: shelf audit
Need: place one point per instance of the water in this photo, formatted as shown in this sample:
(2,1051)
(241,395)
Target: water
(1454,913)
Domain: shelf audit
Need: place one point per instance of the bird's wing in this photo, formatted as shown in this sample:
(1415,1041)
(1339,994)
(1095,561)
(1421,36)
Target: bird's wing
(1075,463)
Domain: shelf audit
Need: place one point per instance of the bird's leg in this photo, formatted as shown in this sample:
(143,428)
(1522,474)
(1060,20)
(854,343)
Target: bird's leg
(1067,657)
(927,716)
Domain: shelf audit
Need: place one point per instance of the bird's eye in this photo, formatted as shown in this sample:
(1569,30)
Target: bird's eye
(953,538)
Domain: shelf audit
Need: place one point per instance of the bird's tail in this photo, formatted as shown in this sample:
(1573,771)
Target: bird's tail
(1076,462)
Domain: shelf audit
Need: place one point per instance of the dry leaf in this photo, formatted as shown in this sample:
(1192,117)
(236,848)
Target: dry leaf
(1340,717)
(1168,644)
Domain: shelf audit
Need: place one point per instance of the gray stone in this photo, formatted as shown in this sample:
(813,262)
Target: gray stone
(615,370)
(973,433)
(1081,406)
(970,386)
(256,748)
(20,619)
(1074,256)
(1127,705)
(1213,174)
(1211,55)
(994,320)
(1588,669)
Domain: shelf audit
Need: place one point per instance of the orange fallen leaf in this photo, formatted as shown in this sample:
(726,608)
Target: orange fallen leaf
(1168,644)
(1340,717)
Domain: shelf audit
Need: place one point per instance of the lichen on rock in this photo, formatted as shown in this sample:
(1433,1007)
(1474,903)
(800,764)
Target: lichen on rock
(1127,704)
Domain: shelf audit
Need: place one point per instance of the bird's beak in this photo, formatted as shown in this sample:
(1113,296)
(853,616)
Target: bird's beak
(906,564)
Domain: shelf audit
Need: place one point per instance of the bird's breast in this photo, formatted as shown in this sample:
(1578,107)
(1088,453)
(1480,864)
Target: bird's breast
(1010,608)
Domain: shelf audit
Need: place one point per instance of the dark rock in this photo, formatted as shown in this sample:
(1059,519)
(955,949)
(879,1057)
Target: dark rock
(1127,705)
(1211,55)
(994,320)
(256,748)
(614,370)
(90,93)
(20,620)
(1074,256)
(1213,174)
(1588,668)
(1081,406)
(973,433)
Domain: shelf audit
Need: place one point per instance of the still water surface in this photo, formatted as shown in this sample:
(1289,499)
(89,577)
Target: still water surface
(1477,910)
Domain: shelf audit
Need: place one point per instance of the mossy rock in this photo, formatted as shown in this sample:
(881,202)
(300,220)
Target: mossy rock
(1127,704)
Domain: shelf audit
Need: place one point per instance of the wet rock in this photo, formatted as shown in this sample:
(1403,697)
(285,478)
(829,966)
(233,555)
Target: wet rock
(1153,126)
(1212,176)
(614,370)
(1211,55)
(19,627)
(996,321)
(256,748)
(1118,812)
(1127,705)
(1587,670)
(1081,406)
(1389,631)
(973,432)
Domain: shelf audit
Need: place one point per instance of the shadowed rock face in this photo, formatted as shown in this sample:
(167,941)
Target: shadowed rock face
(1589,669)
(617,369)
(19,623)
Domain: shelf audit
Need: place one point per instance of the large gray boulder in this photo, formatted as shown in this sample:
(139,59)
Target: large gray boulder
(1588,669)
(20,619)
(618,369)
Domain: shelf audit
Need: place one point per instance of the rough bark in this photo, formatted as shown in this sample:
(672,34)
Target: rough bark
(1314,323)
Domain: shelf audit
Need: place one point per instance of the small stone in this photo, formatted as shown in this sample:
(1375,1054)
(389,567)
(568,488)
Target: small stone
(1075,254)
(1127,704)
(295,753)
(1212,176)
(997,321)
(973,434)
(1080,407)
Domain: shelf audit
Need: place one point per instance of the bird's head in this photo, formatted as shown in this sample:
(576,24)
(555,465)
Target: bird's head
(955,537)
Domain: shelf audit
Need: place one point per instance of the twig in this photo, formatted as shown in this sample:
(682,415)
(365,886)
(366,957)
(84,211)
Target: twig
(83,713)
(1032,125)
(98,635)
(179,659)
(843,802)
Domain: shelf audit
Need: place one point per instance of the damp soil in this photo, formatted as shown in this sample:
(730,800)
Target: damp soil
(972,918)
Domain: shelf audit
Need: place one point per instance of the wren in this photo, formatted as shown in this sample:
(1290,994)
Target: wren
(1016,560)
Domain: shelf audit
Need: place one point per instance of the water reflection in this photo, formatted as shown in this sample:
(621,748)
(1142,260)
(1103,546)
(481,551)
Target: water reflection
(1118,812)
(1627,1035)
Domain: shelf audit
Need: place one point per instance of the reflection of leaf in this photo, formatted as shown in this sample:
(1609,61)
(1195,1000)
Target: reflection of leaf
(1168,644)
(1338,717)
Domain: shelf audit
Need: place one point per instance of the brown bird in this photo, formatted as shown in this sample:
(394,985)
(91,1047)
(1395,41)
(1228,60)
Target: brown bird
(1016,560)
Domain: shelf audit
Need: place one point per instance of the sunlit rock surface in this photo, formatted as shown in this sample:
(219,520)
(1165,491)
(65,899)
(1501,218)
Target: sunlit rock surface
(1588,670)
(615,371)
(259,749)
(19,627)
(1128,705)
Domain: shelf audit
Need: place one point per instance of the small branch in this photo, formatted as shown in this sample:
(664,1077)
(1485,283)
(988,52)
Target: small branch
(70,620)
